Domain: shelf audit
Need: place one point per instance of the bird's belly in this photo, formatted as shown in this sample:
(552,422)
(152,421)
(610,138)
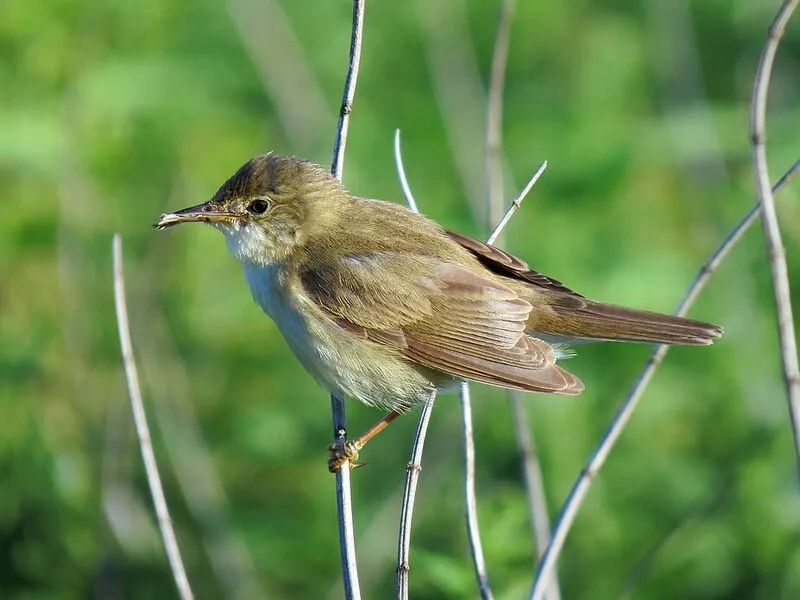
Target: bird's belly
(340,361)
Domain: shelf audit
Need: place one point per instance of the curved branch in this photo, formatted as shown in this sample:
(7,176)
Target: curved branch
(772,231)
(401,171)
(143,431)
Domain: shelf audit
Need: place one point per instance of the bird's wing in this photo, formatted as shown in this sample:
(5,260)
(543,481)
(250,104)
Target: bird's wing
(508,265)
(567,314)
(440,314)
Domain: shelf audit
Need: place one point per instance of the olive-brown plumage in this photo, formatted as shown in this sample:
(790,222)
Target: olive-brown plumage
(384,305)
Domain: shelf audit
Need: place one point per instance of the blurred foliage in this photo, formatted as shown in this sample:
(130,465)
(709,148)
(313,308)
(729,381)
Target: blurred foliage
(111,112)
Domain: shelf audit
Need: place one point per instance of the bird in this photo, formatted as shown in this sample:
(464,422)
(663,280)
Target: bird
(384,305)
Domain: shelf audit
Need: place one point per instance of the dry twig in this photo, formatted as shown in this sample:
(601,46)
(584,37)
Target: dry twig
(409,495)
(772,231)
(458,90)
(290,83)
(401,172)
(473,530)
(143,432)
(415,466)
(476,547)
(531,470)
(343,496)
(195,472)
(514,207)
(581,486)
(349,94)
(534,484)
(494,112)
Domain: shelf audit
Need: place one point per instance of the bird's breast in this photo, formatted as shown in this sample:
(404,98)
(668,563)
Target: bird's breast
(270,291)
(337,359)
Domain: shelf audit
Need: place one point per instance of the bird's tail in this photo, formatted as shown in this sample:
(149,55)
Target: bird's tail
(579,318)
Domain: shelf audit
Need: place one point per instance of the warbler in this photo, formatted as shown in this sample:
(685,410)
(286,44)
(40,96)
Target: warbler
(383,305)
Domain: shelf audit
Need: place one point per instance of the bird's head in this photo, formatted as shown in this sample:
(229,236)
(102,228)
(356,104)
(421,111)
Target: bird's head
(269,208)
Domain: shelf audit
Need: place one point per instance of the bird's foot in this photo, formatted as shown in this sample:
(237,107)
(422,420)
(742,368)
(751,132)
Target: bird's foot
(343,453)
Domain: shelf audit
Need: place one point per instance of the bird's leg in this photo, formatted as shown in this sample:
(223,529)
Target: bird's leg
(348,452)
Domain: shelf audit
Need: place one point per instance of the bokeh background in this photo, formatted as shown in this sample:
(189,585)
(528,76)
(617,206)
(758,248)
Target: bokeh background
(112,112)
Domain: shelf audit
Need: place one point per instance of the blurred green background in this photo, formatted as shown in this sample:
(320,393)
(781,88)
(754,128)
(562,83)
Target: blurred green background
(112,112)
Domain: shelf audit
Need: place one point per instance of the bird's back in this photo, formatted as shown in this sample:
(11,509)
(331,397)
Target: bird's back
(362,226)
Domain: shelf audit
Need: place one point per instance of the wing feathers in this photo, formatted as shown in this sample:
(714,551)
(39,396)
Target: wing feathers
(566,313)
(508,265)
(440,314)
(549,379)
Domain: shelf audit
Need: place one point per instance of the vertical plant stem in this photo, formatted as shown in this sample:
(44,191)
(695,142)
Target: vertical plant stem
(494,112)
(415,466)
(772,231)
(344,508)
(534,484)
(409,495)
(142,430)
(349,94)
(531,471)
(476,547)
(473,531)
(343,494)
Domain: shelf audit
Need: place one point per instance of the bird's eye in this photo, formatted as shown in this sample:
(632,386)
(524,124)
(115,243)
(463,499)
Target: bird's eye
(258,207)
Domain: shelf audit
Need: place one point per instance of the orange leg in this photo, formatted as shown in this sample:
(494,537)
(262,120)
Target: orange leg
(348,452)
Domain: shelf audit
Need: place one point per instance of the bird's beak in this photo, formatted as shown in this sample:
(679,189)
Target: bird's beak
(207,212)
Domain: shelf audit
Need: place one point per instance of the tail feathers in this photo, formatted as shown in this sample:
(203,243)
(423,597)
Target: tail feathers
(586,319)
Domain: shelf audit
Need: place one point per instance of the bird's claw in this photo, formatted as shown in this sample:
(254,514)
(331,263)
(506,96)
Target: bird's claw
(344,453)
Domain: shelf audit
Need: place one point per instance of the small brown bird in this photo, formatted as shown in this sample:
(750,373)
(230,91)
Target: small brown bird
(381,304)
